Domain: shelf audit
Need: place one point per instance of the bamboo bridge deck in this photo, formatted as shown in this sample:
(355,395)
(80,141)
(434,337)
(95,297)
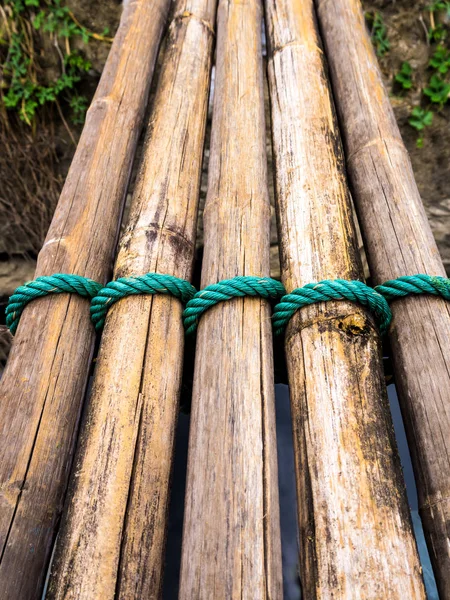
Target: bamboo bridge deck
(84,501)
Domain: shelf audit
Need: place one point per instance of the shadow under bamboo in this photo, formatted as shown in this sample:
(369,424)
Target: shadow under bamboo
(113,535)
(398,242)
(356,539)
(44,381)
(231,539)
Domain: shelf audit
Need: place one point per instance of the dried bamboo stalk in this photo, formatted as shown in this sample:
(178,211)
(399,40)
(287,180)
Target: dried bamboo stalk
(43,384)
(356,539)
(398,242)
(231,539)
(113,537)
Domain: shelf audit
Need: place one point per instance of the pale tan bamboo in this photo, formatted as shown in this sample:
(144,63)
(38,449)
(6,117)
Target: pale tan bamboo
(231,539)
(44,381)
(356,539)
(399,242)
(112,540)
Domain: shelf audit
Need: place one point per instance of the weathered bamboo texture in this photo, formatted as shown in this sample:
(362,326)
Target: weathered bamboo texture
(231,538)
(112,540)
(356,539)
(398,242)
(43,385)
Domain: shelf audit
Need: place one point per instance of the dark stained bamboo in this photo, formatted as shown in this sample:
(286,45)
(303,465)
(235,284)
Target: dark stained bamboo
(398,242)
(112,540)
(356,539)
(231,538)
(44,381)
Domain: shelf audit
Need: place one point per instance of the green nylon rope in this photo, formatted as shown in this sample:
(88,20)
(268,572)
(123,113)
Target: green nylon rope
(197,303)
(59,283)
(415,284)
(337,289)
(238,287)
(150,283)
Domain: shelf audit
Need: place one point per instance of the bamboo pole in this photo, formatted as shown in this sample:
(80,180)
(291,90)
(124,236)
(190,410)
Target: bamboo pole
(44,381)
(398,242)
(113,536)
(231,539)
(356,539)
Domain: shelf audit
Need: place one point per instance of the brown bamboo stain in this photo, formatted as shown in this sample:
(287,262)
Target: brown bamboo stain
(355,324)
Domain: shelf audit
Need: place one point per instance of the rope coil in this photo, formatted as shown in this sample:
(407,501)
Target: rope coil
(238,287)
(323,291)
(59,283)
(148,284)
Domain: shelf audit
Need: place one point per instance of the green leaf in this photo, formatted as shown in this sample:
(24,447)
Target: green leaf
(440,5)
(11,100)
(437,90)
(378,33)
(420,118)
(404,76)
(437,34)
(38,19)
(440,59)
(79,106)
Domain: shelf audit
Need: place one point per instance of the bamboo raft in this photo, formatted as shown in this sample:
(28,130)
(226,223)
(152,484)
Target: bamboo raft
(84,502)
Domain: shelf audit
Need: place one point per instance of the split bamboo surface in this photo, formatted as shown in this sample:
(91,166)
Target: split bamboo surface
(112,539)
(398,242)
(43,385)
(231,539)
(356,539)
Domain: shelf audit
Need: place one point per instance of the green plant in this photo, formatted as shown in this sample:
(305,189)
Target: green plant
(404,76)
(378,33)
(437,90)
(24,87)
(440,5)
(437,33)
(79,105)
(419,119)
(440,59)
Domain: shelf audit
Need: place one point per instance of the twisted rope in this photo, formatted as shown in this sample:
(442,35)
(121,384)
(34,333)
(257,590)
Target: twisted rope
(415,284)
(59,283)
(238,287)
(150,283)
(337,289)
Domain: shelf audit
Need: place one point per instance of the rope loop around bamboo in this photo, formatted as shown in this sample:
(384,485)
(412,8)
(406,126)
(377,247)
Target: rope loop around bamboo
(148,284)
(102,298)
(323,291)
(413,285)
(58,283)
(238,287)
